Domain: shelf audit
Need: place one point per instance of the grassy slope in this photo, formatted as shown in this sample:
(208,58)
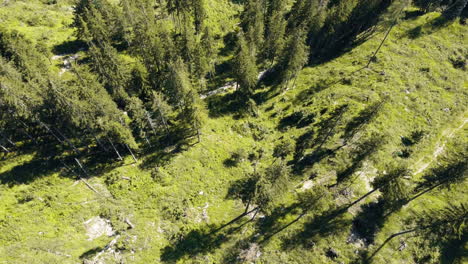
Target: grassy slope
(41,220)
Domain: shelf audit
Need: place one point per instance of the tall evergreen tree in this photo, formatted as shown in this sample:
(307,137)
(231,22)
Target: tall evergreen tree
(275,30)
(253,25)
(294,57)
(199,14)
(245,68)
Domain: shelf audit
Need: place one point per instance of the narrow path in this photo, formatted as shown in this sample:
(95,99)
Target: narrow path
(440,147)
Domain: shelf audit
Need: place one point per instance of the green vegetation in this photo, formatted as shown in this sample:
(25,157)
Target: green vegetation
(218,131)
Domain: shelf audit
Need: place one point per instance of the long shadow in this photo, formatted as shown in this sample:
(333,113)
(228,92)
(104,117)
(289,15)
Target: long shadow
(221,105)
(429,28)
(69,47)
(363,118)
(203,241)
(360,153)
(369,220)
(298,119)
(324,225)
(91,252)
(269,226)
(315,140)
(307,94)
(28,172)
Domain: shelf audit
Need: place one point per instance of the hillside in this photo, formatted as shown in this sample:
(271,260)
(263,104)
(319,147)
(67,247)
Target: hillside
(339,128)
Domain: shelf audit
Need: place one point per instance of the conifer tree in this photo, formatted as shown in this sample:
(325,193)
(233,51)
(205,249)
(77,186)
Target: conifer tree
(271,186)
(253,25)
(199,14)
(294,58)
(178,84)
(275,30)
(245,68)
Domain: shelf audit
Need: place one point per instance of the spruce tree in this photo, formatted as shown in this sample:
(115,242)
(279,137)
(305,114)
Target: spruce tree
(294,58)
(245,68)
(253,25)
(275,30)
(199,14)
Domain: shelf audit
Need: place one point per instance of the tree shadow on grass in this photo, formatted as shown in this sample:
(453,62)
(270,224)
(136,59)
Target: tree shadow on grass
(91,252)
(202,241)
(453,251)
(429,28)
(324,225)
(307,94)
(69,47)
(29,171)
(224,104)
(369,221)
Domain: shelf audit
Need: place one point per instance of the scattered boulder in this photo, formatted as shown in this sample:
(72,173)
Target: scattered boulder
(97,227)
(250,254)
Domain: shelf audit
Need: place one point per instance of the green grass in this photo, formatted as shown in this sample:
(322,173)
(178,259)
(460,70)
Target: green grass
(41,221)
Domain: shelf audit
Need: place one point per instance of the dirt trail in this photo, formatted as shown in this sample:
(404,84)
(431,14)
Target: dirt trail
(440,147)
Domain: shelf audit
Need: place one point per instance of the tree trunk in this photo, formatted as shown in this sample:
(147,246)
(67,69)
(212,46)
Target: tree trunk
(51,132)
(4,148)
(81,167)
(116,151)
(7,139)
(68,141)
(130,150)
(381,43)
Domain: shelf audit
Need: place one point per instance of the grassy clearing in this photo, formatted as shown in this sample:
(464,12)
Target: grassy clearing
(177,211)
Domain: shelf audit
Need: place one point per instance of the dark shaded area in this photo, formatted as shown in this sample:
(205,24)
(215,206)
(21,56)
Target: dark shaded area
(453,251)
(335,38)
(298,119)
(443,176)
(315,139)
(203,241)
(242,189)
(369,221)
(361,120)
(359,155)
(69,47)
(312,158)
(220,105)
(91,252)
(29,171)
(306,94)
(413,14)
(429,28)
(324,225)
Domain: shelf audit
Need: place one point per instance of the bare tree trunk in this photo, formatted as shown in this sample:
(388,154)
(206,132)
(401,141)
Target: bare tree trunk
(7,139)
(383,41)
(79,176)
(100,143)
(150,122)
(51,132)
(4,148)
(130,150)
(81,167)
(147,140)
(116,151)
(68,141)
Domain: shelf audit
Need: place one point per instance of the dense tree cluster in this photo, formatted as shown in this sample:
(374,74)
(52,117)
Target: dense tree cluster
(154,92)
